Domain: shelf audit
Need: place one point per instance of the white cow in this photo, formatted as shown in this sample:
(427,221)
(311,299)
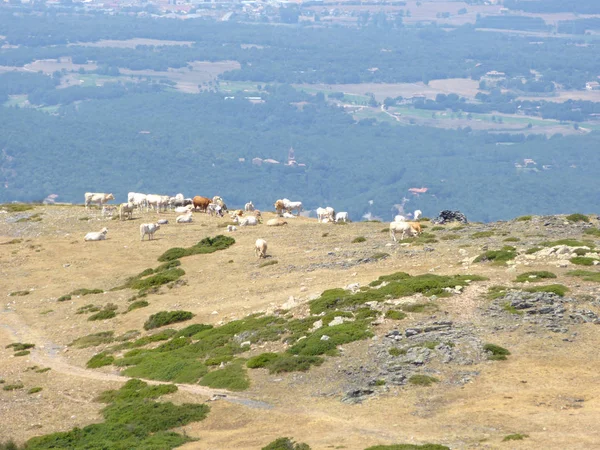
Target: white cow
(183,209)
(97,197)
(341,217)
(108,210)
(417,214)
(148,229)
(185,218)
(405,227)
(126,209)
(322,214)
(157,201)
(331,213)
(96,235)
(249,207)
(246,221)
(139,200)
(260,248)
(399,218)
(291,206)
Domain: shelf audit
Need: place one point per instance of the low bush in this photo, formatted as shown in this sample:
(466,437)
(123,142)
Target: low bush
(261,361)
(163,318)
(496,352)
(515,437)
(409,447)
(93,340)
(137,304)
(592,231)
(586,275)
(16,207)
(100,360)
(83,292)
(532,250)
(37,217)
(498,257)
(583,261)
(523,218)
(285,443)
(289,363)
(34,390)
(422,380)
(557,289)
(206,245)
(495,292)
(568,243)
(577,218)
(419,307)
(482,234)
(87,309)
(379,255)
(358,239)
(268,263)
(131,420)
(450,237)
(534,276)
(232,377)
(511,309)
(157,279)
(18,293)
(22,353)
(512,239)
(136,390)
(19,346)
(103,315)
(12,387)
(395,315)
(394,351)
(63,298)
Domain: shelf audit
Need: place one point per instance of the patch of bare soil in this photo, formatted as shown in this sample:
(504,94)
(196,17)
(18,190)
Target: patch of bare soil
(548,388)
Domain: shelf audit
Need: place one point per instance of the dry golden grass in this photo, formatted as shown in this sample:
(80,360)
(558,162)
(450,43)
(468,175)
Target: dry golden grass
(537,391)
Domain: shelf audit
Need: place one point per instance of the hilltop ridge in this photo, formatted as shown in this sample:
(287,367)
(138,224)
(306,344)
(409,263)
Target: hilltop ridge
(461,337)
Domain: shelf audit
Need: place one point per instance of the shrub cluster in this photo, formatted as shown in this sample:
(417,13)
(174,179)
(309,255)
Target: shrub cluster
(206,245)
(163,318)
(534,276)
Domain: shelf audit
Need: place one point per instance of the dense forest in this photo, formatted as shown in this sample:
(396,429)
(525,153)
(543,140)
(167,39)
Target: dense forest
(193,143)
(144,136)
(295,54)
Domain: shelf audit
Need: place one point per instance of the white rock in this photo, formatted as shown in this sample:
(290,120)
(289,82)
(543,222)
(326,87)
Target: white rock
(325,337)
(318,324)
(337,320)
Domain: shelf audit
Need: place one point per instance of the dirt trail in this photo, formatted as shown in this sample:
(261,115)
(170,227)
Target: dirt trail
(47,353)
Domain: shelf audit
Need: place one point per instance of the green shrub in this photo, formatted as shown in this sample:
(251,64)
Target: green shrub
(289,363)
(136,389)
(577,218)
(557,289)
(395,315)
(515,437)
(130,421)
(512,239)
(587,275)
(268,263)
(12,387)
(394,351)
(580,251)
(379,255)
(450,237)
(511,309)
(63,298)
(482,234)
(523,218)
(286,443)
(261,361)
(495,292)
(83,292)
(232,377)
(496,352)
(16,207)
(137,304)
(592,231)
(44,370)
(568,243)
(419,307)
(422,380)
(99,360)
(108,312)
(93,340)
(409,447)
(358,239)
(34,390)
(87,309)
(435,228)
(18,293)
(534,276)
(19,346)
(583,261)
(166,366)
(158,279)
(206,245)
(163,318)
(22,353)
(498,257)
(532,250)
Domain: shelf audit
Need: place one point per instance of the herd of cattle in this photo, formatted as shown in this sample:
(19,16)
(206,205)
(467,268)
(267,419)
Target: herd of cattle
(249,216)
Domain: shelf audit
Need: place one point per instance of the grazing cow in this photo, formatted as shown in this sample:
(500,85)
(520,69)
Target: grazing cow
(157,201)
(179,199)
(249,207)
(331,213)
(126,209)
(183,209)
(322,214)
(201,202)
(291,206)
(139,200)
(260,248)
(279,206)
(417,214)
(399,218)
(185,218)
(96,235)
(188,201)
(277,222)
(96,197)
(214,210)
(148,229)
(341,217)
(412,228)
